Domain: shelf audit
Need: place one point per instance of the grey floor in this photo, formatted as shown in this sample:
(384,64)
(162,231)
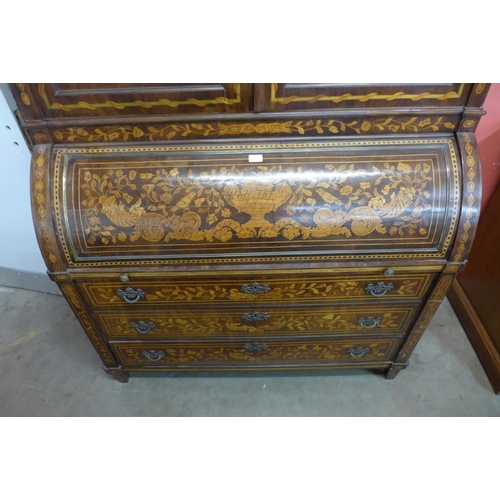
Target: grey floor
(49,368)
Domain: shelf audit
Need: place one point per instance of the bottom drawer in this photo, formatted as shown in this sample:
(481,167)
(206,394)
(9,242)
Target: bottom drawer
(263,352)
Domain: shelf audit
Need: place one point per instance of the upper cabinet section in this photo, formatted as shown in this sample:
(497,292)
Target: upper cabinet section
(70,100)
(321,96)
(62,113)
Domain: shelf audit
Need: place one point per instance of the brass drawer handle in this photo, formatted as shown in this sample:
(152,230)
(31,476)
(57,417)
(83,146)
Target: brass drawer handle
(255,288)
(358,352)
(380,289)
(153,355)
(255,346)
(130,295)
(255,316)
(142,327)
(369,322)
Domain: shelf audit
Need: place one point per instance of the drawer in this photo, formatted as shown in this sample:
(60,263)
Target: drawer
(244,321)
(238,287)
(253,353)
(366,199)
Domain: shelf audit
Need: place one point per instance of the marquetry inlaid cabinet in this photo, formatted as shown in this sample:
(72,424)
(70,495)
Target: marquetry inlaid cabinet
(253,226)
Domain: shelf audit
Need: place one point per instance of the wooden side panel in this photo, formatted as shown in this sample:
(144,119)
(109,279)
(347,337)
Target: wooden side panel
(43,209)
(425,317)
(26,101)
(479,336)
(476,298)
(471,197)
(478,95)
(480,280)
(75,302)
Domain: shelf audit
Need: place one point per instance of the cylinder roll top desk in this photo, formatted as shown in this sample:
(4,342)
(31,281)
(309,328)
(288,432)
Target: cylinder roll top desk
(253,226)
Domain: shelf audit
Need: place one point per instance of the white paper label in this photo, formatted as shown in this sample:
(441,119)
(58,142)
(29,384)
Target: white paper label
(255,158)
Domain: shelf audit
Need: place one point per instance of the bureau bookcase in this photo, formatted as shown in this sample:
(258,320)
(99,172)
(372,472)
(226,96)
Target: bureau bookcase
(253,226)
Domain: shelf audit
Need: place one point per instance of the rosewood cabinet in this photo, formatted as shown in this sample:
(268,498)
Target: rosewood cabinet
(253,226)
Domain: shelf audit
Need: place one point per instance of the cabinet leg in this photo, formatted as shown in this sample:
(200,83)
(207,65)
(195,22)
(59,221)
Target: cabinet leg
(391,372)
(120,375)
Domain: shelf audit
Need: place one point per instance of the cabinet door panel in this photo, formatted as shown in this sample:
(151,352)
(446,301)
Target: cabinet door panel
(60,100)
(311,96)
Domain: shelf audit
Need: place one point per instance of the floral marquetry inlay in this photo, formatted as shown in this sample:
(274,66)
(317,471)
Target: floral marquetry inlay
(174,201)
(170,292)
(229,323)
(176,131)
(288,352)
(121,206)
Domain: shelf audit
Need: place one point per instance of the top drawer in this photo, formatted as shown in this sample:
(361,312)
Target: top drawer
(344,199)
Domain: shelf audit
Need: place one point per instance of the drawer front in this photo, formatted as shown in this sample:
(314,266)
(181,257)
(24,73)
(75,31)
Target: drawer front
(244,321)
(343,199)
(253,353)
(254,288)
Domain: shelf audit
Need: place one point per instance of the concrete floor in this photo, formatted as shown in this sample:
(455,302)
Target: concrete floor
(49,368)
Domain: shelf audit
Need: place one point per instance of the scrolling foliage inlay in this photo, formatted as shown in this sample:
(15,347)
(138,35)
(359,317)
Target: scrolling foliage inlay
(286,202)
(228,323)
(207,292)
(109,133)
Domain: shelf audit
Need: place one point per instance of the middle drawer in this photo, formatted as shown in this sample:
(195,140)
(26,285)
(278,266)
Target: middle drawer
(379,319)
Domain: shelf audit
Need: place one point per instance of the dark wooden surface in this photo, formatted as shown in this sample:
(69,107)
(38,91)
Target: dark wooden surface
(476,298)
(69,100)
(307,96)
